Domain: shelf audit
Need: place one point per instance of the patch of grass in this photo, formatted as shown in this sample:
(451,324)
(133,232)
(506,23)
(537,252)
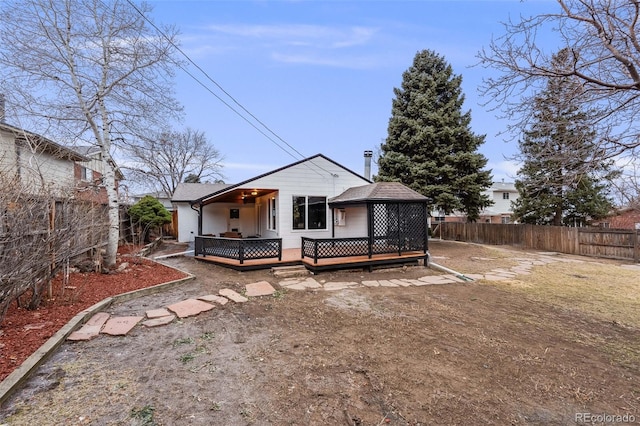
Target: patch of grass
(600,290)
(208,335)
(279,294)
(144,415)
(185,358)
(183,341)
(215,407)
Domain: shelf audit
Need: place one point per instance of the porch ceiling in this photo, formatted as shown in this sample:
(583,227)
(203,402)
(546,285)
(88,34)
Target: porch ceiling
(239,196)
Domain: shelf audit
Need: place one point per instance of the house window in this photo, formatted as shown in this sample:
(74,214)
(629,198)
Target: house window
(309,212)
(272,214)
(506,219)
(505,195)
(85,174)
(438,219)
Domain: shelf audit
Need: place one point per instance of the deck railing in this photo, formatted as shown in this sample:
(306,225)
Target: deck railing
(326,248)
(240,249)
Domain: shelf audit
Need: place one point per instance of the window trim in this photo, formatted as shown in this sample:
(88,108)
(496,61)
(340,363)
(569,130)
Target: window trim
(306,213)
(272,214)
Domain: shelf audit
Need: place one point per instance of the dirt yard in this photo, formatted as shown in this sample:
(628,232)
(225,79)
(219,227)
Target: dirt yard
(536,349)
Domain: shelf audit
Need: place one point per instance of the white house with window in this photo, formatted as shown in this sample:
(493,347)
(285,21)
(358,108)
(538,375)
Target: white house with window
(288,203)
(502,194)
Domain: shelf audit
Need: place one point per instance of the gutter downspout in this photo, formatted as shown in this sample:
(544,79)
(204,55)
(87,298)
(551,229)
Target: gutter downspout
(199,211)
(447,270)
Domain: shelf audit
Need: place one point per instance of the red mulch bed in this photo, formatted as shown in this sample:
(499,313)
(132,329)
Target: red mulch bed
(23,331)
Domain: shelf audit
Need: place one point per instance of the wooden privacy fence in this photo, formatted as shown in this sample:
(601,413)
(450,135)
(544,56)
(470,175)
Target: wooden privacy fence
(607,243)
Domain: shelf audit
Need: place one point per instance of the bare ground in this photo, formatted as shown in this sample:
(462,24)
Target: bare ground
(533,350)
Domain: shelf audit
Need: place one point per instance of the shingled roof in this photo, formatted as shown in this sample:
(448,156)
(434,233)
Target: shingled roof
(193,191)
(380,192)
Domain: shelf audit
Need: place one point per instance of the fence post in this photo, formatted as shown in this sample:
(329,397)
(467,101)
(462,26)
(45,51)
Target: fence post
(636,247)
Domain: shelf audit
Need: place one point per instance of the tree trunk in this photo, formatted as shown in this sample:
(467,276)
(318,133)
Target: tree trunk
(113,236)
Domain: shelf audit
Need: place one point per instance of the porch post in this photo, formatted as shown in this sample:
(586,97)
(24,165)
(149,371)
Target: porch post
(400,234)
(426,229)
(333,222)
(200,219)
(370,228)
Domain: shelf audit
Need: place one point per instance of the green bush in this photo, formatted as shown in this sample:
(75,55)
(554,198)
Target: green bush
(149,213)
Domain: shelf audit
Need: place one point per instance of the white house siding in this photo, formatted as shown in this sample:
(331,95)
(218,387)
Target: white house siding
(355,224)
(315,177)
(262,216)
(215,218)
(187,222)
(501,209)
(7,153)
(35,168)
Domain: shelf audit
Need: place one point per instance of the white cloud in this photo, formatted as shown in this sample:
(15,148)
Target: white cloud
(352,62)
(317,36)
(330,46)
(506,169)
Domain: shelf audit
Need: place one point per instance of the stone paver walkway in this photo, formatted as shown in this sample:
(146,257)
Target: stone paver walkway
(102,323)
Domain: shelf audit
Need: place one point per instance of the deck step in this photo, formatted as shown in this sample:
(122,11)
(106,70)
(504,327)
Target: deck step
(289,271)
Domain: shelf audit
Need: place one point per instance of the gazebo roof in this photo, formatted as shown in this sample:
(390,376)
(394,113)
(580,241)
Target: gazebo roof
(378,192)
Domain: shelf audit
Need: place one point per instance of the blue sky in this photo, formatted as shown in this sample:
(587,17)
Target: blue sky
(320,74)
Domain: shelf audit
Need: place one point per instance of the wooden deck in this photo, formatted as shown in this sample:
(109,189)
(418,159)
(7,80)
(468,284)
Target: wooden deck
(291,257)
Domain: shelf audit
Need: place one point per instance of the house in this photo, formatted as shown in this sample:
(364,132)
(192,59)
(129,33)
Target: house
(315,206)
(46,199)
(161,196)
(623,218)
(286,203)
(88,175)
(42,164)
(185,218)
(501,193)
(37,162)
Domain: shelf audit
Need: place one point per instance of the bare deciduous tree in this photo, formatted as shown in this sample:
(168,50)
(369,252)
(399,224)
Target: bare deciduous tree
(167,158)
(626,189)
(94,69)
(602,39)
(41,230)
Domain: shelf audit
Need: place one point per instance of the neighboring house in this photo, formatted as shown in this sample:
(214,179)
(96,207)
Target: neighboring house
(624,218)
(501,193)
(50,195)
(185,219)
(88,175)
(37,162)
(161,196)
(313,198)
(40,163)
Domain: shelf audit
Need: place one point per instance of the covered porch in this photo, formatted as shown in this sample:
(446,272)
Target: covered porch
(393,218)
(292,257)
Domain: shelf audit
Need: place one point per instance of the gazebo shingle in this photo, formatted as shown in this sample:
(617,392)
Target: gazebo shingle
(379,191)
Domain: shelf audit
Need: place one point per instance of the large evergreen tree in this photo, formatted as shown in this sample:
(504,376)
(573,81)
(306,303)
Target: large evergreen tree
(561,180)
(430,146)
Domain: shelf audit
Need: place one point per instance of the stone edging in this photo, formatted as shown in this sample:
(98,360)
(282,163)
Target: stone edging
(22,373)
